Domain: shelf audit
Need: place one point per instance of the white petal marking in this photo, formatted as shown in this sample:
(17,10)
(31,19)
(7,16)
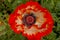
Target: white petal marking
(30,31)
(19,28)
(19,12)
(18,21)
(33,7)
(28,7)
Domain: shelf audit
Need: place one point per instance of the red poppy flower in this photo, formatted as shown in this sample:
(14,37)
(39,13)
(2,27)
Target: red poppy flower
(31,20)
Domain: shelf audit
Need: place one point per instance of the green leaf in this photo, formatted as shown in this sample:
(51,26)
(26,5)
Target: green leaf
(2,28)
(16,3)
(54,17)
(58,6)
(49,4)
(52,36)
(58,38)
(58,27)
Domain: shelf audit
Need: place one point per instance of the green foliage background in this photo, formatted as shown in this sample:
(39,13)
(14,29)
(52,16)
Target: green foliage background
(7,7)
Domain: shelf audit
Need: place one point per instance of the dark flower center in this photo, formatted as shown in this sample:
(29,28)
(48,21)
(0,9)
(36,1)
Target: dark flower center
(29,19)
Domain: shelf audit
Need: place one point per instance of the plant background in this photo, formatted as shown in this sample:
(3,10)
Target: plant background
(7,7)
